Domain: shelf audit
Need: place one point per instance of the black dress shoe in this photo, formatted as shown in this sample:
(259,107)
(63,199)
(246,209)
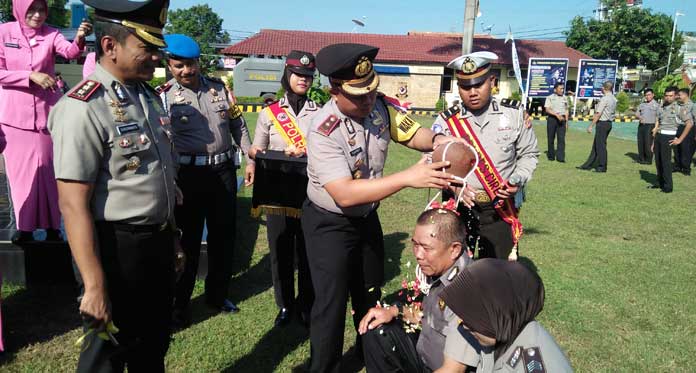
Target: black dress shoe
(666,191)
(22,237)
(53,235)
(283,318)
(229,307)
(653,187)
(561,160)
(582,168)
(599,170)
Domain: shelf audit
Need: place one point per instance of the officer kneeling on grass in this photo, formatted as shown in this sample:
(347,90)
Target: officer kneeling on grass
(203,116)
(439,247)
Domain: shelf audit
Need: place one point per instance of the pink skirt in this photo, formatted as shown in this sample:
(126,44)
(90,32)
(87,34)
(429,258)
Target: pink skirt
(29,166)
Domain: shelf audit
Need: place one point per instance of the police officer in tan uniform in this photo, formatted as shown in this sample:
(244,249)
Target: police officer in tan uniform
(647,115)
(665,134)
(684,152)
(605,112)
(347,150)
(557,112)
(274,129)
(114,164)
(508,141)
(438,246)
(203,117)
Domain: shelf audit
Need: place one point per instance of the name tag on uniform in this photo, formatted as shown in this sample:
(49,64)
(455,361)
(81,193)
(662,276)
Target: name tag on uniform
(12,45)
(355,152)
(127,128)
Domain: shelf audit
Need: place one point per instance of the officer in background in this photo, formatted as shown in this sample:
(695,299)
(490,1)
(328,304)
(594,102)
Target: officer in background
(605,113)
(647,115)
(510,144)
(556,107)
(347,149)
(114,165)
(685,151)
(203,116)
(665,134)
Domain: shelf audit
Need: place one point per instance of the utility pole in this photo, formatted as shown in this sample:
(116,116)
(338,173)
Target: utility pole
(674,31)
(470,10)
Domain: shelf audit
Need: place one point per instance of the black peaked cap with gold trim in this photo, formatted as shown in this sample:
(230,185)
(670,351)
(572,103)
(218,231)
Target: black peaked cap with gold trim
(351,66)
(472,68)
(144,18)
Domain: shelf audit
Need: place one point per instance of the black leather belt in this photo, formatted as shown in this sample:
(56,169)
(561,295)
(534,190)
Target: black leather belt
(137,228)
(206,159)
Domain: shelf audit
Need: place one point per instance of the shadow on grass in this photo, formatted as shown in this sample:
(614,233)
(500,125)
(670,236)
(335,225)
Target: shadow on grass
(36,315)
(533,230)
(528,263)
(393,248)
(271,350)
(633,156)
(648,177)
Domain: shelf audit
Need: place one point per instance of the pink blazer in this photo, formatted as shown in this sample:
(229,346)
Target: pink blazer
(23,104)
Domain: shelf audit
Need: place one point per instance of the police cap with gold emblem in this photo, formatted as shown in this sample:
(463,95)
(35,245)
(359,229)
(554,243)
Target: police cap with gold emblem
(350,67)
(301,63)
(472,69)
(144,18)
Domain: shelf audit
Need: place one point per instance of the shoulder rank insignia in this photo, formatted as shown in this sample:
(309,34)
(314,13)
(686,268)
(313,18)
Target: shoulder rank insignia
(515,357)
(533,363)
(84,90)
(328,125)
(450,112)
(510,103)
(163,87)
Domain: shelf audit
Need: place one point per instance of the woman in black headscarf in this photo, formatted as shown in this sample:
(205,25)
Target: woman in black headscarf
(497,302)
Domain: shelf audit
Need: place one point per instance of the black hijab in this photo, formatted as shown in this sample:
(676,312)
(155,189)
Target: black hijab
(296,101)
(496,298)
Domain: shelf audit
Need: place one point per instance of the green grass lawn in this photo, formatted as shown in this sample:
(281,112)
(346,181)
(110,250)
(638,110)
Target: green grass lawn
(617,261)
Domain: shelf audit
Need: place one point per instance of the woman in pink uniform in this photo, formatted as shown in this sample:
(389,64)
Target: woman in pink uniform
(27,79)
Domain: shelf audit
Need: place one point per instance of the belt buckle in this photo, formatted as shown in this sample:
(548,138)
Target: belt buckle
(482,197)
(218,158)
(185,159)
(200,160)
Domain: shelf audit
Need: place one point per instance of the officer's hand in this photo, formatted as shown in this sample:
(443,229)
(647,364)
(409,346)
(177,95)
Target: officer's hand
(422,175)
(589,129)
(652,148)
(249,174)
(84,29)
(294,151)
(508,190)
(376,317)
(179,196)
(95,305)
(44,81)
(253,150)
(527,120)
(675,142)
(467,198)
(179,257)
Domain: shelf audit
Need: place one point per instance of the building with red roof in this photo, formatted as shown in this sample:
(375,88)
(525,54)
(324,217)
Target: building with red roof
(412,66)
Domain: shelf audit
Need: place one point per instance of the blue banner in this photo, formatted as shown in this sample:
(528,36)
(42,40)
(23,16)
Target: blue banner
(592,74)
(543,74)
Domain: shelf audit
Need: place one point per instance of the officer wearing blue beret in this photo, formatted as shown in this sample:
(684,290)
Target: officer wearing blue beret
(203,116)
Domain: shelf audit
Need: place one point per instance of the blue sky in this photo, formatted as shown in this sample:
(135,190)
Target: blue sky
(540,19)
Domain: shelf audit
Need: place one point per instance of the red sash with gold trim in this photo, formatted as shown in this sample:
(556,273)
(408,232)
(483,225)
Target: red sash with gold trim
(285,125)
(488,175)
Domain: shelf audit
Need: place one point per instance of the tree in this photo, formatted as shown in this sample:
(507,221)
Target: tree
(58,15)
(202,24)
(632,36)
